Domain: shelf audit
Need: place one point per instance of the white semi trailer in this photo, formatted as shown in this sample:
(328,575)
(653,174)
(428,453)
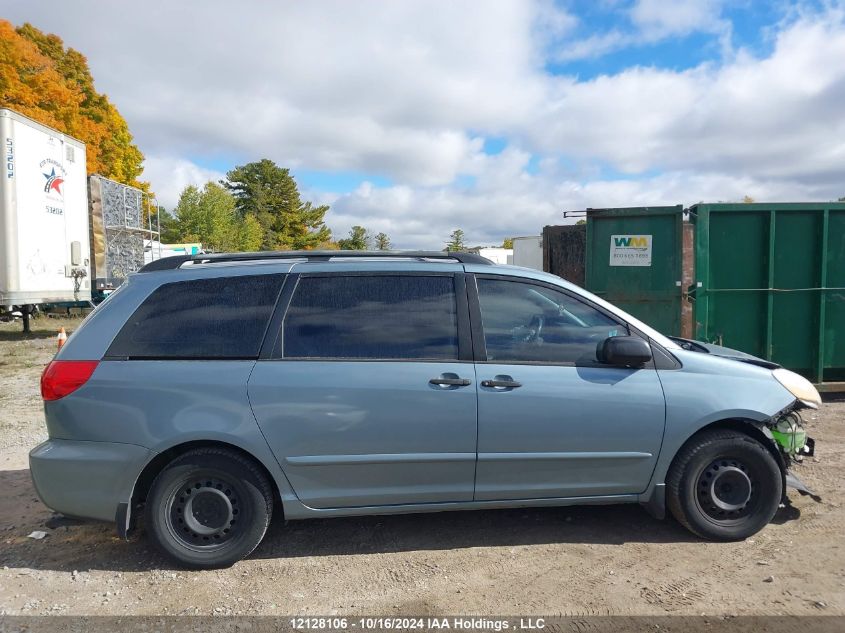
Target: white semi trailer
(44,221)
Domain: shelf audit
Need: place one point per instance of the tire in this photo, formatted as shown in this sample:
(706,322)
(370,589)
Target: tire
(209,508)
(724,485)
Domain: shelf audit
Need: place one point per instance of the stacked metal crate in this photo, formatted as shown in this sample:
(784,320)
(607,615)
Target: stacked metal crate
(119,230)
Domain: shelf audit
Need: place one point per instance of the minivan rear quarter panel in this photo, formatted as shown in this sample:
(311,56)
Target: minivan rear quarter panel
(156,403)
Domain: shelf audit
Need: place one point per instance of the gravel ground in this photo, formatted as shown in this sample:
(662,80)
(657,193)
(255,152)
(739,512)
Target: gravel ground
(570,561)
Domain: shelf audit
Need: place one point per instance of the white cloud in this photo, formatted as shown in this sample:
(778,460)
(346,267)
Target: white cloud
(424,217)
(409,91)
(778,117)
(593,46)
(365,86)
(551,22)
(658,18)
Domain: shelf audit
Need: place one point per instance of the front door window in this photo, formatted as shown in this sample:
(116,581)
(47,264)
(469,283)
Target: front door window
(530,323)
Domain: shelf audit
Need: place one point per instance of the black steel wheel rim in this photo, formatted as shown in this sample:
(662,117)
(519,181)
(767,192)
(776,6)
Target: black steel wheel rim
(727,490)
(204,512)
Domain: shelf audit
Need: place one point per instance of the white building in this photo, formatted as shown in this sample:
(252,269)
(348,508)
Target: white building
(528,252)
(495,254)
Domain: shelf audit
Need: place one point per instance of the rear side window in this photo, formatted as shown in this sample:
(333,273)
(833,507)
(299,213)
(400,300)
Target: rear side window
(219,318)
(387,317)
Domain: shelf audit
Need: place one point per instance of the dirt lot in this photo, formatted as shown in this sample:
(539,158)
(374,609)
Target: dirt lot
(590,560)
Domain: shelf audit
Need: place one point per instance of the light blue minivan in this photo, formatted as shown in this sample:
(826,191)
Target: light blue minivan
(209,391)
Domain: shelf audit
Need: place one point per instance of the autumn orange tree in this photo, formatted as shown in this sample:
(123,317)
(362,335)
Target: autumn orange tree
(43,80)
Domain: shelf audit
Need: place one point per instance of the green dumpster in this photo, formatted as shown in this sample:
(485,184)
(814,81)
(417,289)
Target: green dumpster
(771,282)
(634,260)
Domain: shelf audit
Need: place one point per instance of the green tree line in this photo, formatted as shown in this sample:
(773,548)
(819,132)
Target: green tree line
(257,207)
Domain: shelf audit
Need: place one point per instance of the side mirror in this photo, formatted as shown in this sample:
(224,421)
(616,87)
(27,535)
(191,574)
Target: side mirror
(624,351)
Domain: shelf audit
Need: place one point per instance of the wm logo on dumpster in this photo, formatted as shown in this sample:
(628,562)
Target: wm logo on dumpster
(630,250)
(631,241)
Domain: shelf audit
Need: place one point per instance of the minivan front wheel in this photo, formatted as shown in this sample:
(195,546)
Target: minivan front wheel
(724,485)
(208,508)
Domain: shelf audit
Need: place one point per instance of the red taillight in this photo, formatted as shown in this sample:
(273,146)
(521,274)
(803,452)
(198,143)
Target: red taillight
(63,377)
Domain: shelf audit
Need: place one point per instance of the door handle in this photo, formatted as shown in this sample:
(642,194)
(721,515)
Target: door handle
(452,382)
(501,383)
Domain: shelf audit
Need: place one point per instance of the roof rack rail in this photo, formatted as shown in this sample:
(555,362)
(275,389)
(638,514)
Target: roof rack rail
(176,261)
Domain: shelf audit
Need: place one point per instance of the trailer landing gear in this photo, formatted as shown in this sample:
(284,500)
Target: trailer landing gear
(26,312)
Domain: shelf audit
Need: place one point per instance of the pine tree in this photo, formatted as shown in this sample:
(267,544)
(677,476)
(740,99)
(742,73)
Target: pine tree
(268,193)
(358,240)
(456,241)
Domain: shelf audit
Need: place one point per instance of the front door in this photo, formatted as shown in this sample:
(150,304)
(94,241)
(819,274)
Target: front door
(552,421)
(372,399)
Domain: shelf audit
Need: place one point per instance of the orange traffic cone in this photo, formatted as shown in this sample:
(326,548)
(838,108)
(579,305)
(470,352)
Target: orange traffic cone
(61,338)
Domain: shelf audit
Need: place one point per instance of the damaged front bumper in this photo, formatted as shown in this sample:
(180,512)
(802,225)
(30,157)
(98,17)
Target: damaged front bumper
(793,481)
(787,431)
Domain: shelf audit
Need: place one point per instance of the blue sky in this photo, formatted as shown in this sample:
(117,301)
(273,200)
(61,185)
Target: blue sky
(749,23)
(421,116)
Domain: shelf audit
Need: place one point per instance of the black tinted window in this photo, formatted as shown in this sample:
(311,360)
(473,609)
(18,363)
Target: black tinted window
(526,322)
(223,317)
(372,317)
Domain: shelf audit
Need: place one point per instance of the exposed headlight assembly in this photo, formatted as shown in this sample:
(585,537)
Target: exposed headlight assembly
(799,387)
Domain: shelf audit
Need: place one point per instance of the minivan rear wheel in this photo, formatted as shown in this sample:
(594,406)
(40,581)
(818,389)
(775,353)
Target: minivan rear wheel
(210,507)
(724,485)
